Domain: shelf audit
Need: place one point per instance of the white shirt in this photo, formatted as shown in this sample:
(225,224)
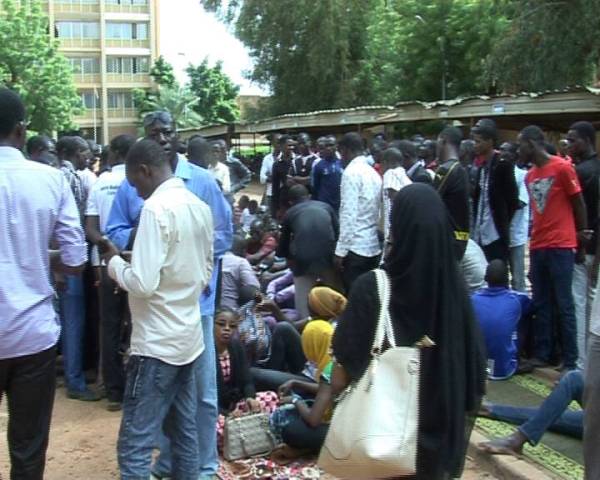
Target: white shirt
(394,179)
(485,228)
(359,210)
(247,219)
(221,172)
(88,179)
(101,198)
(265,170)
(474,265)
(171,264)
(519,226)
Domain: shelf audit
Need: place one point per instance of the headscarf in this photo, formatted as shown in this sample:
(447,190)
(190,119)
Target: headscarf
(429,297)
(316,343)
(326,303)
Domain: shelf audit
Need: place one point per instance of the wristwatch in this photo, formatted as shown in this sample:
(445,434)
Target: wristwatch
(295,400)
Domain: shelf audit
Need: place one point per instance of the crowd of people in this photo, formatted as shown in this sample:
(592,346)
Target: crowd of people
(196,303)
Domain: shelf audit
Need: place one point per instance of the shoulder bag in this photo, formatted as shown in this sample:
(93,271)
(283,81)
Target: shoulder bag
(247,436)
(374,428)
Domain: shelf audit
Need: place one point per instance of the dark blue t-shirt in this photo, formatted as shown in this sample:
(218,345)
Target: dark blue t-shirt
(326,182)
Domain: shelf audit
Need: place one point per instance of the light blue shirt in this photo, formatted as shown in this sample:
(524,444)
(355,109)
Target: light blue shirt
(519,226)
(127,205)
(36,208)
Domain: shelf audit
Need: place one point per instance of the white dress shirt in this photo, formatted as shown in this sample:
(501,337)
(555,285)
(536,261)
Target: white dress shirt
(394,179)
(88,179)
(101,198)
(171,264)
(221,172)
(266,169)
(359,210)
(519,226)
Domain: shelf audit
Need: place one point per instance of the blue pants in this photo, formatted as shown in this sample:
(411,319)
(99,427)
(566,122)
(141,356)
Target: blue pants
(158,395)
(206,415)
(552,413)
(72,316)
(552,273)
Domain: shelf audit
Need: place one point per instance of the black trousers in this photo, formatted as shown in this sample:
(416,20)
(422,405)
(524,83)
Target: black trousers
(497,250)
(29,383)
(286,349)
(113,313)
(354,266)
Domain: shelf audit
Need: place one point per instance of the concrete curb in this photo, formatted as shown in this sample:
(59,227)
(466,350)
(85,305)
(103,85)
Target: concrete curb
(505,467)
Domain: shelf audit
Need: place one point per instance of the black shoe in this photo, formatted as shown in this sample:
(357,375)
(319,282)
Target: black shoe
(524,367)
(114,406)
(85,396)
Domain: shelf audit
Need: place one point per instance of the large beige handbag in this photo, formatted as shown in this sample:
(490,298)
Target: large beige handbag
(374,428)
(247,436)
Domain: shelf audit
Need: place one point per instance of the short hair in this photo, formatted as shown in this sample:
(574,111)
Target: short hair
(392,156)
(12,111)
(197,146)
(512,147)
(121,144)
(296,193)
(452,135)
(586,131)
(238,245)
(486,128)
(497,273)
(163,117)
(148,152)
(283,139)
(274,137)
(352,141)
(67,146)
(533,133)
(407,148)
(303,138)
(36,144)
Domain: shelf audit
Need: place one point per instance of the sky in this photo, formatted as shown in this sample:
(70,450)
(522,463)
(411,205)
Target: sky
(188,34)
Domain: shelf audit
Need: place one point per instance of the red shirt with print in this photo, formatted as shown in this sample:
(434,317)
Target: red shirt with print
(551,189)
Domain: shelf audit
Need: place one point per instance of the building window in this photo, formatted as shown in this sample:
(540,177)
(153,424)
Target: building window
(127,2)
(120,100)
(78,29)
(127,64)
(79,2)
(126,31)
(85,65)
(90,100)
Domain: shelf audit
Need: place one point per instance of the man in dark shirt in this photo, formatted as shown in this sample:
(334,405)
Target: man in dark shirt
(452,183)
(327,174)
(413,166)
(304,162)
(308,237)
(280,176)
(581,140)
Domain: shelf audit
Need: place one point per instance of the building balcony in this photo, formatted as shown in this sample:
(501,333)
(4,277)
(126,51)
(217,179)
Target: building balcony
(126,43)
(84,43)
(87,116)
(76,7)
(128,78)
(111,8)
(87,78)
(123,113)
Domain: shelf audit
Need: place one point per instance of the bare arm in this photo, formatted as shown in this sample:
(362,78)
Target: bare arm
(92,228)
(314,416)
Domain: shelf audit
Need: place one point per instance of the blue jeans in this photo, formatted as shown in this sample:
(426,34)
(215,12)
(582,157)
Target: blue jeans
(72,316)
(583,297)
(157,395)
(552,273)
(552,414)
(206,415)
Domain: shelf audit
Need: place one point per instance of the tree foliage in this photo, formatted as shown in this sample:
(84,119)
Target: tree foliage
(215,91)
(162,73)
(31,65)
(178,101)
(307,53)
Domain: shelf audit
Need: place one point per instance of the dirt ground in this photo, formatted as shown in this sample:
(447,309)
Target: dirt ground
(83,439)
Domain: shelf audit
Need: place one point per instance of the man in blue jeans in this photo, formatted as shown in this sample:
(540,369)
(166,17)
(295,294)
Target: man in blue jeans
(171,264)
(121,227)
(553,414)
(559,228)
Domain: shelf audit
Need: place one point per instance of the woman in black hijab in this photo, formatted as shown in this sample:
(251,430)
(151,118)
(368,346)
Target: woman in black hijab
(428,297)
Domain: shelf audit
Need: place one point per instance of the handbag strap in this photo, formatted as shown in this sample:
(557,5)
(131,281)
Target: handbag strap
(385,329)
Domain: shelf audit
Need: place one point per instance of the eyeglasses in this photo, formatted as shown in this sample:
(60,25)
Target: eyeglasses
(162,117)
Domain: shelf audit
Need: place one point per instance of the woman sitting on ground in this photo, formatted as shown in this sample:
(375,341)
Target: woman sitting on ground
(452,379)
(306,427)
(236,392)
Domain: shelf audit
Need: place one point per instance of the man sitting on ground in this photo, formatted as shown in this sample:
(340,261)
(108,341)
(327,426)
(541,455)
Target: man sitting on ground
(236,273)
(499,310)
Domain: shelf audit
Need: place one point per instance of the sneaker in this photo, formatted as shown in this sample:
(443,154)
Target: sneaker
(114,406)
(86,395)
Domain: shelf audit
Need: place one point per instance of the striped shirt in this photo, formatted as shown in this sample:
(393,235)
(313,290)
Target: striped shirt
(36,207)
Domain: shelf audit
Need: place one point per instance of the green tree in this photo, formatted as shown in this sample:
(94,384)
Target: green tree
(550,44)
(430,49)
(178,101)
(31,65)
(307,53)
(162,73)
(215,91)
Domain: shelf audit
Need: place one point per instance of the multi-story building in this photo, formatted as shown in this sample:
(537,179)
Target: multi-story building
(111,45)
